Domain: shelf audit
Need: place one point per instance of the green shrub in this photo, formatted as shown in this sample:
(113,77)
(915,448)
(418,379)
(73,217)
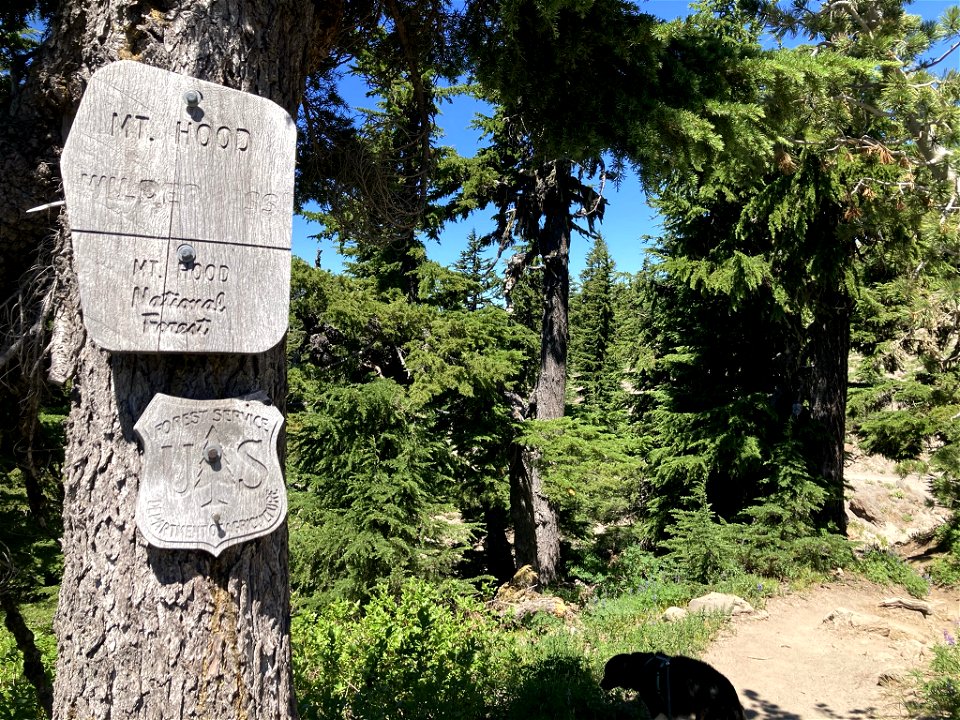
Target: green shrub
(767,551)
(896,434)
(18,699)
(551,669)
(945,570)
(423,654)
(628,624)
(432,652)
(939,693)
(555,681)
(886,567)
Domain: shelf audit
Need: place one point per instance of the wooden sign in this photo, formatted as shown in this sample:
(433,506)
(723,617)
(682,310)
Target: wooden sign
(180,199)
(211,474)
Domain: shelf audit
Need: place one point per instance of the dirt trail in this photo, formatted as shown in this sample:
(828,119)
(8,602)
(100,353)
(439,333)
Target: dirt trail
(833,651)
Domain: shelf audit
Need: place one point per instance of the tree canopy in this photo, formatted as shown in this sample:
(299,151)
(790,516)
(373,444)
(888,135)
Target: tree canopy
(455,423)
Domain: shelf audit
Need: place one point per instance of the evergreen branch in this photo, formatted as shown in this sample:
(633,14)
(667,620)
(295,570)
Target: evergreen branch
(864,142)
(515,267)
(871,109)
(583,212)
(518,406)
(932,63)
(851,8)
(902,186)
(506,236)
(403,362)
(420,93)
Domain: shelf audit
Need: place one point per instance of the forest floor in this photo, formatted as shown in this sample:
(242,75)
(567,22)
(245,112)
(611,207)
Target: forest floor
(832,650)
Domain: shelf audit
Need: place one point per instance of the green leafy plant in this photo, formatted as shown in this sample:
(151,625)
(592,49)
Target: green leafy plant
(557,681)
(423,652)
(18,698)
(886,567)
(938,694)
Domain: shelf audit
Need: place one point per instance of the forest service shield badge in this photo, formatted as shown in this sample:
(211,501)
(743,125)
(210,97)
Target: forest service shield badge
(211,474)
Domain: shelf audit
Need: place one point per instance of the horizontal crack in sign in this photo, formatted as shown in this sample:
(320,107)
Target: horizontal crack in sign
(111,233)
(146,173)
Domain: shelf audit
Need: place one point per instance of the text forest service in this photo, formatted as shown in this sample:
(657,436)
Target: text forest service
(211,473)
(180,200)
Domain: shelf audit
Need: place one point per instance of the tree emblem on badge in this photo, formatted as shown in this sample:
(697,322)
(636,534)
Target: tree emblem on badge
(211,475)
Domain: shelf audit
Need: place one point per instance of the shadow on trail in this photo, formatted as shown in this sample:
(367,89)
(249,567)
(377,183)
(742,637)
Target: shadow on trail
(757,707)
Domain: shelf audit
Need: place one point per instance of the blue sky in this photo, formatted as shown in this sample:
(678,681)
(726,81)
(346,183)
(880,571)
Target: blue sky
(627,219)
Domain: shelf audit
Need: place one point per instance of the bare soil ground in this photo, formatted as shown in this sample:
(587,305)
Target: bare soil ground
(833,651)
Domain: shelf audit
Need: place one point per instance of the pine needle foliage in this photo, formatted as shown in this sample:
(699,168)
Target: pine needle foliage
(380,481)
(398,443)
(767,252)
(593,474)
(592,315)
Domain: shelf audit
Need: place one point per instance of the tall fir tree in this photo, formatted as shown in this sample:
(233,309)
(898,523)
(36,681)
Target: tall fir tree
(842,180)
(593,328)
(479,273)
(556,68)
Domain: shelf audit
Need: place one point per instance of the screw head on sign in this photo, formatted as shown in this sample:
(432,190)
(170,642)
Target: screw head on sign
(186,254)
(191,98)
(214,453)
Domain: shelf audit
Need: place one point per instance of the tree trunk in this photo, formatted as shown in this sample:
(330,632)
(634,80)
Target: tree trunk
(496,547)
(143,632)
(829,341)
(537,533)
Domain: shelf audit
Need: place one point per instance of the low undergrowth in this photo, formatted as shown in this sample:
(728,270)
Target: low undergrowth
(18,698)
(884,566)
(431,652)
(938,687)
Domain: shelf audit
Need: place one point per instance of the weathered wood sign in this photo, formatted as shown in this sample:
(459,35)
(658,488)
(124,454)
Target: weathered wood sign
(211,476)
(180,199)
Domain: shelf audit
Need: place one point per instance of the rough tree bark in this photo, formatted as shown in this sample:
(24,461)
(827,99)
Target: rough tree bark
(536,531)
(829,341)
(142,632)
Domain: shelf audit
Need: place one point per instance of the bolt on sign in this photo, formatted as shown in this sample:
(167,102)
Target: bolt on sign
(179,195)
(211,472)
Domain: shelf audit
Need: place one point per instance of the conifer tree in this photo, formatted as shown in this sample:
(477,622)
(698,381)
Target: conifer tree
(392,392)
(556,69)
(593,326)
(373,170)
(841,179)
(478,271)
(537,204)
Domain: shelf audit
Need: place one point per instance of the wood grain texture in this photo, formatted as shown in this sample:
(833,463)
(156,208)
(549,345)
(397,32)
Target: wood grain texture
(148,633)
(146,174)
(211,474)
